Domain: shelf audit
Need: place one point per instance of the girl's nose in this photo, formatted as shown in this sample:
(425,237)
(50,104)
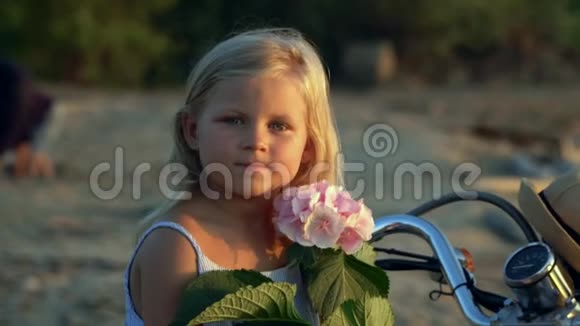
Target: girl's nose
(255,139)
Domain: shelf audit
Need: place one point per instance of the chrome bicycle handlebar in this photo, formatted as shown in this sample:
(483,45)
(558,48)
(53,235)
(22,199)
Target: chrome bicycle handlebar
(444,251)
(567,313)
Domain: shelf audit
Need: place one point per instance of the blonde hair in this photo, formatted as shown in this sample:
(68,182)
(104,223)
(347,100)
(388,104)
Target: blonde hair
(277,52)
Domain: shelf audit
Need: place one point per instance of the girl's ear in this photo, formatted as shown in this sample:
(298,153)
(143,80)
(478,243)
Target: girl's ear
(189,129)
(308,153)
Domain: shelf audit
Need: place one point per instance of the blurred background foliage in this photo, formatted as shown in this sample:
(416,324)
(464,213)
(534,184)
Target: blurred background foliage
(155,42)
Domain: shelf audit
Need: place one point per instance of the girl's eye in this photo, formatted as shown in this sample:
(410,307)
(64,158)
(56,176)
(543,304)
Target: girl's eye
(233,120)
(279,126)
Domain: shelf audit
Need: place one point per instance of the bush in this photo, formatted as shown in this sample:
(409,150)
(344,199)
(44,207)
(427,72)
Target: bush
(154,42)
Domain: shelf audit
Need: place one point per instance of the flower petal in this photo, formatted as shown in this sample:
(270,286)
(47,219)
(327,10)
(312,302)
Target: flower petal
(324,226)
(363,223)
(292,228)
(350,241)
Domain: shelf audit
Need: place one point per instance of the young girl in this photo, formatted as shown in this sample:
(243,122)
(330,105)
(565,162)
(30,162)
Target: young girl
(256,119)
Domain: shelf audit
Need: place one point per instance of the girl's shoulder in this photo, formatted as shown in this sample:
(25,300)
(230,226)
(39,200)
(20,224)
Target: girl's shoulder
(166,245)
(166,241)
(170,235)
(164,262)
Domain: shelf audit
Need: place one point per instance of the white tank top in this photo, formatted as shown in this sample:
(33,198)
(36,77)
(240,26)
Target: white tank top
(289,274)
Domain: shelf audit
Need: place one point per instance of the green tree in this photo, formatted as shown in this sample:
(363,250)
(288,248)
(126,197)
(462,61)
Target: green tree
(85,40)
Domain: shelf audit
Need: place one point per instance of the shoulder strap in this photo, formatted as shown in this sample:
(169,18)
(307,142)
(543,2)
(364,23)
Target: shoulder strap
(171,225)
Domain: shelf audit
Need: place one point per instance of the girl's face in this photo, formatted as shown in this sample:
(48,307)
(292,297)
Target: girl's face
(251,135)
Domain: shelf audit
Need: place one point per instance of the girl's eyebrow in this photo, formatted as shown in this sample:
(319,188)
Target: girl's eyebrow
(228,109)
(282,116)
(278,116)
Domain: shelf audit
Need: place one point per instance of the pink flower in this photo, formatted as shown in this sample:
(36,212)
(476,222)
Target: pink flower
(324,226)
(359,228)
(293,228)
(286,220)
(328,195)
(304,200)
(283,207)
(345,205)
(321,186)
(350,241)
(362,223)
(323,215)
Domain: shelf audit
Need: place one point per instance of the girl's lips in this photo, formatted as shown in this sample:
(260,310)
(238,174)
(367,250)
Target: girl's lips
(253,166)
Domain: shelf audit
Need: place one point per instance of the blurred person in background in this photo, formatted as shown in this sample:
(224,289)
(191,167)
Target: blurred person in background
(24,112)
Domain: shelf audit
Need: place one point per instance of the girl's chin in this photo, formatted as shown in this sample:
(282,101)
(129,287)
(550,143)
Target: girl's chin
(254,191)
(247,188)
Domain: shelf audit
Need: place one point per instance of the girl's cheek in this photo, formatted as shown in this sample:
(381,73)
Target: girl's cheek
(224,131)
(216,130)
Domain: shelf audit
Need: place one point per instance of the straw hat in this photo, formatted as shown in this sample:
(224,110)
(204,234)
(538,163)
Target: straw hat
(555,213)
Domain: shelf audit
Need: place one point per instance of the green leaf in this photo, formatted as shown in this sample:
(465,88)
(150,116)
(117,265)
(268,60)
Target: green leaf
(344,315)
(337,277)
(370,311)
(301,254)
(269,302)
(210,287)
(367,254)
